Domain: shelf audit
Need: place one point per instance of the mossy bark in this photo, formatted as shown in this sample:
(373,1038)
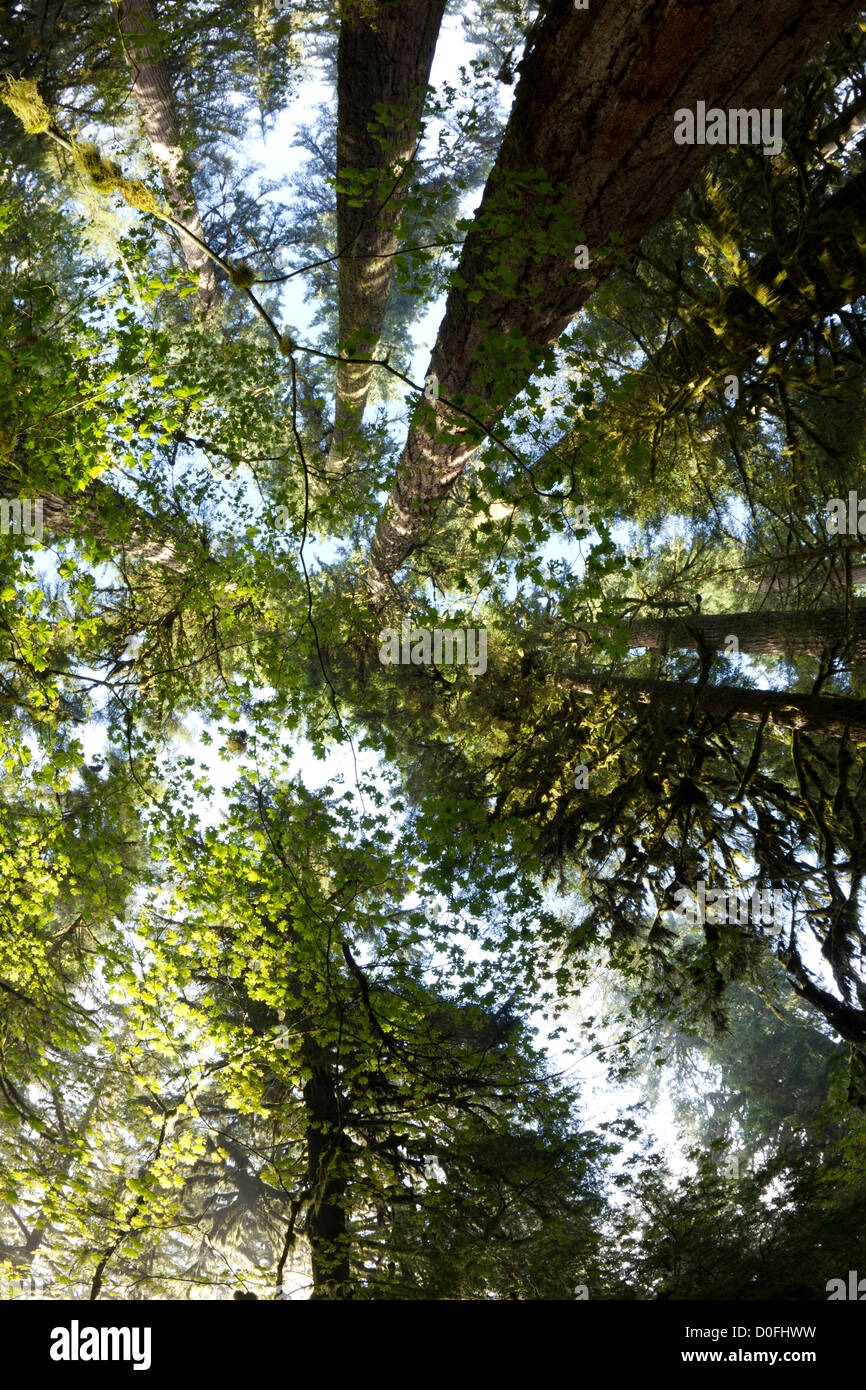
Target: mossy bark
(151,86)
(384,57)
(588,157)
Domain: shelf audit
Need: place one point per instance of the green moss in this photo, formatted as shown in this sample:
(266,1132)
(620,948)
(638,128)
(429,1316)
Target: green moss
(138,195)
(106,176)
(22,97)
(102,174)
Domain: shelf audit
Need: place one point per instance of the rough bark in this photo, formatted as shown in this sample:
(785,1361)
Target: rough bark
(819,714)
(384,55)
(835,578)
(588,155)
(760,634)
(326,1222)
(99,513)
(151,86)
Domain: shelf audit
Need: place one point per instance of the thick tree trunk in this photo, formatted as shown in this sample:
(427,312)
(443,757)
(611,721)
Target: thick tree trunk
(588,156)
(326,1223)
(99,513)
(153,94)
(384,57)
(820,714)
(835,577)
(760,634)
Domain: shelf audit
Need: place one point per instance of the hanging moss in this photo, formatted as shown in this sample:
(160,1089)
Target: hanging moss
(138,195)
(22,97)
(106,176)
(102,174)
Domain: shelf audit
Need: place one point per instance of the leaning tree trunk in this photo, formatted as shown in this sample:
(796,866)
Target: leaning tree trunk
(835,576)
(98,513)
(820,714)
(153,94)
(588,157)
(789,635)
(384,57)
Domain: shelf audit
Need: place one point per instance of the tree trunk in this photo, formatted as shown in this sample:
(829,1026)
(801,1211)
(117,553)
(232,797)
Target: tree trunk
(760,634)
(327,1223)
(99,513)
(588,156)
(153,94)
(820,714)
(384,56)
(835,578)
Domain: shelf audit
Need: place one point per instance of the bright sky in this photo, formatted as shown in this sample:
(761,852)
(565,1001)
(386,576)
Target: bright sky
(279,156)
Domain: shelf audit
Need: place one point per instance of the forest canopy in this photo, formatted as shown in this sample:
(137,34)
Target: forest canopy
(432,636)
